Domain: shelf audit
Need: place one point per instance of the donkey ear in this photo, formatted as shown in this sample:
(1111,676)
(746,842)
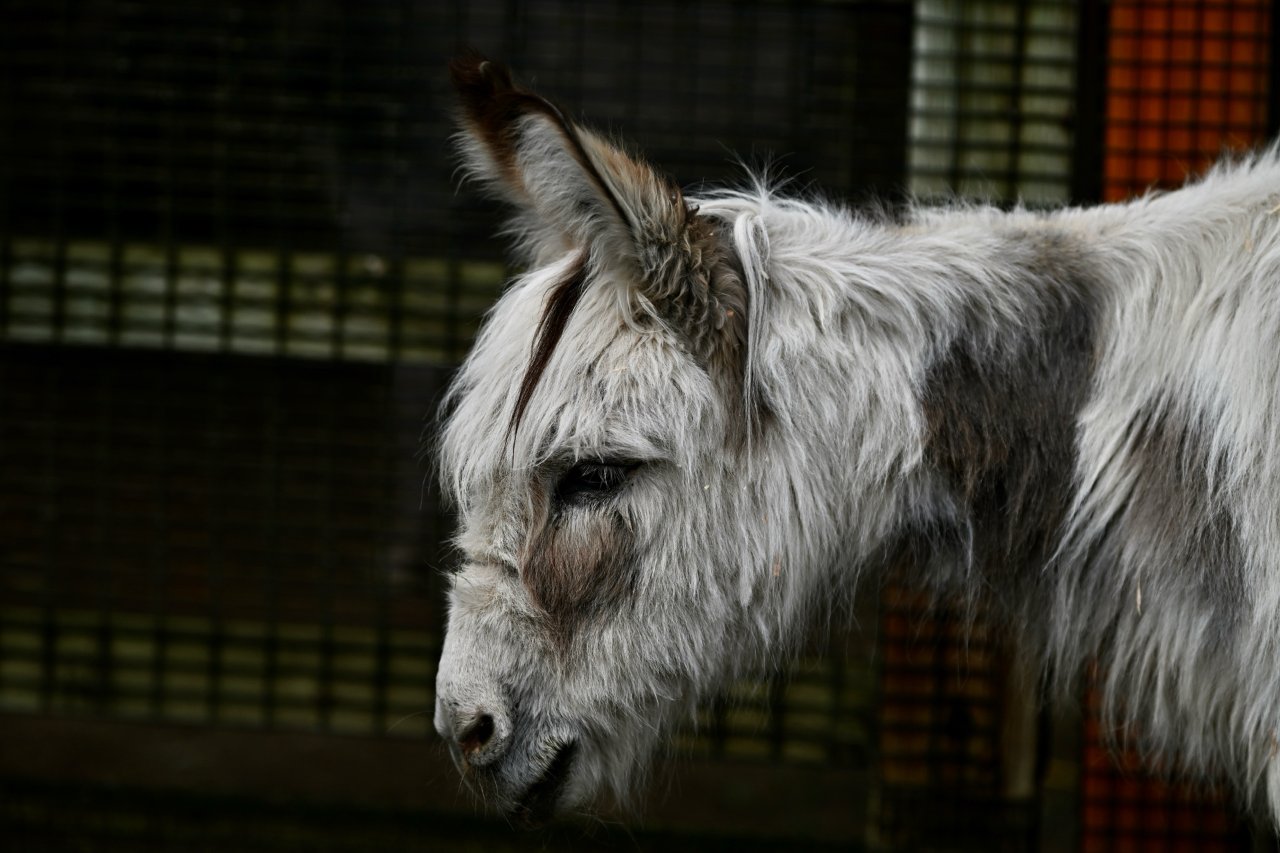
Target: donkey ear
(571,189)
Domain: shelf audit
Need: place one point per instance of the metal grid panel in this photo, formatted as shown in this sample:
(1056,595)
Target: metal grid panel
(258,178)
(303,304)
(1186,81)
(993,96)
(940,716)
(1124,806)
(215,540)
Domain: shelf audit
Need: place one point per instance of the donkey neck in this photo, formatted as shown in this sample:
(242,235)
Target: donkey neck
(947,360)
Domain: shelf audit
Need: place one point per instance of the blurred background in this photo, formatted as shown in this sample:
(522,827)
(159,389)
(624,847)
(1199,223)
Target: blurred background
(235,274)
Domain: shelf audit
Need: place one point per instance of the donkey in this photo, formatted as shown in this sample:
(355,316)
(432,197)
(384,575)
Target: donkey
(695,422)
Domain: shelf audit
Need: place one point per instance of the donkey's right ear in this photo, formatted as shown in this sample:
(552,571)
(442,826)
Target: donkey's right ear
(526,151)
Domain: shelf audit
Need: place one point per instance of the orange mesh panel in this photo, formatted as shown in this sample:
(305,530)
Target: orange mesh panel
(1127,807)
(1185,82)
(941,687)
(939,702)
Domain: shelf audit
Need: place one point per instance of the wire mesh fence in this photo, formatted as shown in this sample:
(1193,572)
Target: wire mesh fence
(1187,83)
(235,273)
(993,99)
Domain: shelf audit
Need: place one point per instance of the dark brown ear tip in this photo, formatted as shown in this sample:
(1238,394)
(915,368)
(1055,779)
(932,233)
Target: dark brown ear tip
(476,77)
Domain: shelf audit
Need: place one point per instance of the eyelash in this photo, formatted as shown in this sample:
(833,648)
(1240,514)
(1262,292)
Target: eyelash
(588,481)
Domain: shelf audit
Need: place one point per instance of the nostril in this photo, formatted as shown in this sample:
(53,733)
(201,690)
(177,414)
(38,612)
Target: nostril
(477,735)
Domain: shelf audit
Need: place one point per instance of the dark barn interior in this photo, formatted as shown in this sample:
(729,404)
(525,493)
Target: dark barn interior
(236,271)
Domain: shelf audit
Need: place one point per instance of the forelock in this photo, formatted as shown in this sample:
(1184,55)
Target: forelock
(561,301)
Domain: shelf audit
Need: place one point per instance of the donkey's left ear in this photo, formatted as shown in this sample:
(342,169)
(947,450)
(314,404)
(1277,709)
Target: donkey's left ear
(572,190)
(569,188)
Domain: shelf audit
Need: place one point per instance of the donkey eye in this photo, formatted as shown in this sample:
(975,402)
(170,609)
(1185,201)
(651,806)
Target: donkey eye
(589,480)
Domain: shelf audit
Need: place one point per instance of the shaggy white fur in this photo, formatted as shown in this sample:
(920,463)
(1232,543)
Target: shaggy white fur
(1073,417)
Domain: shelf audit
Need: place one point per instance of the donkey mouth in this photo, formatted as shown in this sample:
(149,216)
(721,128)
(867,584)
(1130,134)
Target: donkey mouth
(538,803)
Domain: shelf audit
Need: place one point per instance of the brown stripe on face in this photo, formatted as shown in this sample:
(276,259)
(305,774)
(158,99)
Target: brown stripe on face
(561,301)
(578,566)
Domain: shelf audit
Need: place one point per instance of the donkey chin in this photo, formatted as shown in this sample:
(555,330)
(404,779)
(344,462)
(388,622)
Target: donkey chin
(531,772)
(529,777)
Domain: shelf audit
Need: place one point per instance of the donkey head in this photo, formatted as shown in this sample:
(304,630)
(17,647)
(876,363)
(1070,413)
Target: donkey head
(593,446)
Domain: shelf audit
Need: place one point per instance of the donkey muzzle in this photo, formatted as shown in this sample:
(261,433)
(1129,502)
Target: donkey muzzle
(478,734)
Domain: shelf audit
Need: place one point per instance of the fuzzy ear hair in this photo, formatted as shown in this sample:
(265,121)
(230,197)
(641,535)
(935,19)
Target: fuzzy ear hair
(570,188)
(574,191)
(526,150)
